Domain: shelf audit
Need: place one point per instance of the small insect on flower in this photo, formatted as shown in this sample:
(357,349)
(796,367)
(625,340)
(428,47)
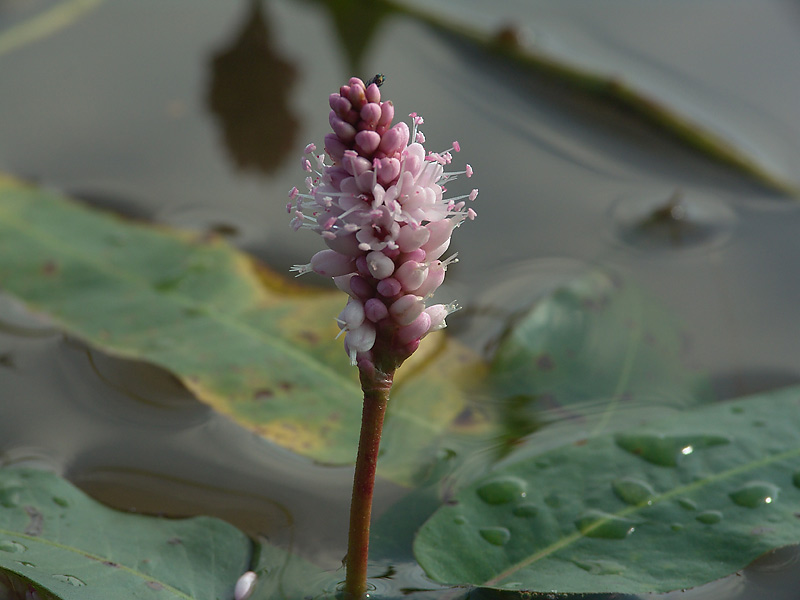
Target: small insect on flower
(378,80)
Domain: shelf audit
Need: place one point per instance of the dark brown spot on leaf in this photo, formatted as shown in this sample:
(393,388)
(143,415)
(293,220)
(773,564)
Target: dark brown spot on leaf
(464,418)
(309,336)
(263,394)
(49,267)
(545,362)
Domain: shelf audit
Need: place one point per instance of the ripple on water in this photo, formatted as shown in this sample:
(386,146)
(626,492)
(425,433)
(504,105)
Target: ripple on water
(670,221)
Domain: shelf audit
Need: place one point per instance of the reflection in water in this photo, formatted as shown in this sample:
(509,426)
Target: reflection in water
(252,108)
(356,22)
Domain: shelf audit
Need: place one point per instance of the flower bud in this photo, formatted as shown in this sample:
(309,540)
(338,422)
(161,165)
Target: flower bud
(368,141)
(352,315)
(375,310)
(371,114)
(343,130)
(414,330)
(387,114)
(411,237)
(380,266)
(436,271)
(332,264)
(406,309)
(394,140)
(358,340)
(389,287)
(411,275)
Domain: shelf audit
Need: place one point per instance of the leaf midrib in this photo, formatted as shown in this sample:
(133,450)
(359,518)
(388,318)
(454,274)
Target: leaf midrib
(91,556)
(632,510)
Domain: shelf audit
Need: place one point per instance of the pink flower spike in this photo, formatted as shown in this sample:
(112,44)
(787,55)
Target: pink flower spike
(382,207)
(379,200)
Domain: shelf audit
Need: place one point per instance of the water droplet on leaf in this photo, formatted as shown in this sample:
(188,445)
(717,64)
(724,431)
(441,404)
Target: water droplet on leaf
(61,501)
(755,493)
(633,491)
(600,567)
(70,579)
(497,536)
(12,547)
(709,517)
(676,527)
(666,450)
(501,491)
(687,504)
(598,524)
(460,520)
(525,510)
(10,496)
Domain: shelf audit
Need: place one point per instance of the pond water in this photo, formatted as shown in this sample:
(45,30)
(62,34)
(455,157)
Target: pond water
(195,114)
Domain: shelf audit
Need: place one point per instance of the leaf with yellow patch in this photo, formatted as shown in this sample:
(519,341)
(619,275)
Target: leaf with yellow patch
(242,339)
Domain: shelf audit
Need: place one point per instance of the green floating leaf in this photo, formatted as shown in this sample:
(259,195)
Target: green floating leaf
(286,576)
(684,501)
(243,340)
(614,91)
(60,540)
(597,351)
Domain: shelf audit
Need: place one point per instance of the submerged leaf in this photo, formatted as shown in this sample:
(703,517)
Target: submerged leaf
(594,356)
(684,501)
(244,341)
(61,541)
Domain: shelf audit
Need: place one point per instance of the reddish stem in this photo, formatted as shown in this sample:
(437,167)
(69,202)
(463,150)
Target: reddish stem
(376,386)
